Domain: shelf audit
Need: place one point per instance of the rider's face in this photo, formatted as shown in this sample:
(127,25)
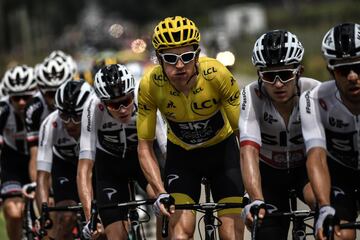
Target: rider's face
(183,69)
(281,90)
(348,81)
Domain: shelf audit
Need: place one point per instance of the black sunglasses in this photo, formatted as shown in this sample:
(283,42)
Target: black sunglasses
(66,118)
(117,105)
(23,97)
(284,75)
(173,58)
(344,70)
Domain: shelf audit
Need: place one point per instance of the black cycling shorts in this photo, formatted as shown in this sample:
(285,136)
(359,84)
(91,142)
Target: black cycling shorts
(276,185)
(63,175)
(112,177)
(345,187)
(219,163)
(14,171)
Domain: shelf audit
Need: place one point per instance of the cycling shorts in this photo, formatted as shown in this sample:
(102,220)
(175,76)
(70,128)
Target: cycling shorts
(219,163)
(112,177)
(63,175)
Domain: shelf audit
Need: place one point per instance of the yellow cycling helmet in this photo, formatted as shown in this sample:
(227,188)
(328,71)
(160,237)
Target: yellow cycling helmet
(175,32)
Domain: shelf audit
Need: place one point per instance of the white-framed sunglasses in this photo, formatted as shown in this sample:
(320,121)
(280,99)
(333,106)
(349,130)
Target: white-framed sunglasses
(172,58)
(284,75)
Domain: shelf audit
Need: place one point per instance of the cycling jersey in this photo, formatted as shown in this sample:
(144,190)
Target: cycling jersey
(12,129)
(261,124)
(328,124)
(35,112)
(54,139)
(205,117)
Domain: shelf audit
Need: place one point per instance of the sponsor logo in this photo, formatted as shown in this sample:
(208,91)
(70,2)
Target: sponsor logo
(62,180)
(109,192)
(170,104)
(108,125)
(197,90)
(204,108)
(143,107)
(308,104)
(159,80)
(88,115)
(323,104)
(269,118)
(244,99)
(101,107)
(171,178)
(337,123)
(233,99)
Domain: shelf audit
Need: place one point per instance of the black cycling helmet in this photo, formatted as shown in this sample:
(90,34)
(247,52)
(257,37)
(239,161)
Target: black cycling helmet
(71,96)
(277,48)
(113,81)
(341,42)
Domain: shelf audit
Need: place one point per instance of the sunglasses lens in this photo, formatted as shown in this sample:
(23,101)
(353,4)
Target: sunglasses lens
(170,58)
(285,76)
(345,70)
(187,57)
(116,105)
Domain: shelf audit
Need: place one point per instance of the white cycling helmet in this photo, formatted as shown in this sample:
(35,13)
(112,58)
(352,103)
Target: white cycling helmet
(19,80)
(113,81)
(52,73)
(72,95)
(61,56)
(277,48)
(341,42)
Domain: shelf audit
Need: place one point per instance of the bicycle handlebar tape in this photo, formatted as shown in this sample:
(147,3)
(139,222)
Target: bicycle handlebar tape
(165,221)
(93,216)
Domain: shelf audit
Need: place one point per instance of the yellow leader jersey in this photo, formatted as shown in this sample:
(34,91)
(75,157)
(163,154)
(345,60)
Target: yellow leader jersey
(205,117)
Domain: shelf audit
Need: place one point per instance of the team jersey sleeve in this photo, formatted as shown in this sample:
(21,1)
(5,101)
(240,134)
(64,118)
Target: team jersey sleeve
(312,127)
(4,114)
(249,125)
(230,95)
(88,136)
(146,122)
(33,112)
(46,141)
(161,132)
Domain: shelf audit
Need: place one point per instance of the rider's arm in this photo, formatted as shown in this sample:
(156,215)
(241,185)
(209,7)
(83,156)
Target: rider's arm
(250,142)
(44,158)
(315,142)
(84,184)
(149,165)
(32,162)
(230,92)
(249,160)
(88,138)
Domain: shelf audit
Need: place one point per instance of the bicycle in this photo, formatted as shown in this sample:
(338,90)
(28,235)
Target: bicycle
(136,230)
(211,222)
(46,222)
(29,230)
(297,217)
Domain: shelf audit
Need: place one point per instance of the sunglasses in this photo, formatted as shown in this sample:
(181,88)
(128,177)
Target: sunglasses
(284,75)
(172,58)
(344,70)
(117,105)
(23,97)
(66,118)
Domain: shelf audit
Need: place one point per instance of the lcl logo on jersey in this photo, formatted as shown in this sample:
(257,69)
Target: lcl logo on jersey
(159,80)
(208,73)
(233,99)
(204,108)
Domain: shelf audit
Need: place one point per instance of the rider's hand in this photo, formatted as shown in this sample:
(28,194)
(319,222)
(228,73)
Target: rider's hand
(86,231)
(246,214)
(159,207)
(324,212)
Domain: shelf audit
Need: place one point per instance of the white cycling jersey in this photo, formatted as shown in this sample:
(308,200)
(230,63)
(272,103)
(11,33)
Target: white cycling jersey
(262,126)
(327,123)
(12,129)
(54,139)
(99,130)
(35,112)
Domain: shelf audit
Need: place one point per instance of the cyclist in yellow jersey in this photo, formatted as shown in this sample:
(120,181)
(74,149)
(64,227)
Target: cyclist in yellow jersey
(199,99)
